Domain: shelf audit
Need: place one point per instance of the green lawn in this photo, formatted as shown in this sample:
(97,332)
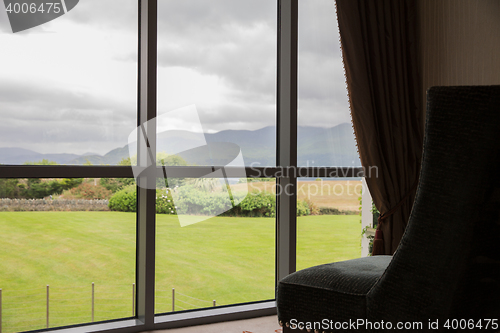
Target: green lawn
(230,260)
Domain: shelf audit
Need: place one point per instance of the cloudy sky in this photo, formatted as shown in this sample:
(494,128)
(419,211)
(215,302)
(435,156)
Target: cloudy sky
(70,85)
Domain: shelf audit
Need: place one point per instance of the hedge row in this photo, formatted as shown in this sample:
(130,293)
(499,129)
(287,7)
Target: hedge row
(335,211)
(192,201)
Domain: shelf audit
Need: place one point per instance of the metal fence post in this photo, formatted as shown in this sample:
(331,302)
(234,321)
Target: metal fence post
(92,301)
(133,300)
(173,299)
(47,306)
(0,310)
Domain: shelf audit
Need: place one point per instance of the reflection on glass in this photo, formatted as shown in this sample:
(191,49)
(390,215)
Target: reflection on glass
(193,151)
(68,87)
(67,254)
(217,77)
(329,221)
(325,134)
(225,255)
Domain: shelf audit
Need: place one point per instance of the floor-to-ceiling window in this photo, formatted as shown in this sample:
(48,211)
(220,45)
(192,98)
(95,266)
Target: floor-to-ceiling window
(216,83)
(204,115)
(325,139)
(68,96)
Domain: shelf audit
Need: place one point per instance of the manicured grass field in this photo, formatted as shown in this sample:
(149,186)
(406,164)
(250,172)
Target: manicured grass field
(230,260)
(67,251)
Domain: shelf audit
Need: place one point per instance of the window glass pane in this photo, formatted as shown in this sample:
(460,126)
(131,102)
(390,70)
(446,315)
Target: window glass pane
(329,221)
(214,243)
(217,77)
(68,87)
(61,242)
(325,134)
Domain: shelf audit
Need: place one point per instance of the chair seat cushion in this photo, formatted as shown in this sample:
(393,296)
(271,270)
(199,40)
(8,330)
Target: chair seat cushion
(336,290)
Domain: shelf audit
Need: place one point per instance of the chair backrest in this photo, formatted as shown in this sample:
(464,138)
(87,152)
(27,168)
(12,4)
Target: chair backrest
(446,265)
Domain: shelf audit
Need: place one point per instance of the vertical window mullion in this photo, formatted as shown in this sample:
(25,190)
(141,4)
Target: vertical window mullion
(146,192)
(286,227)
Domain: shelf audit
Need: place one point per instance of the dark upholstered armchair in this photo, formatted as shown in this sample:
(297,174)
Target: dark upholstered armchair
(447,265)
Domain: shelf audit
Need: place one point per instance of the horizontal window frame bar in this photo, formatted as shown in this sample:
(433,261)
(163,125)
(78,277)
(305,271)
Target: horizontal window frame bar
(176,320)
(77,171)
(215,315)
(128,325)
(65,171)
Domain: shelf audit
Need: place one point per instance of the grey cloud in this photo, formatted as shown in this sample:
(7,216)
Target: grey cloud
(175,15)
(235,40)
(244,64)
(318,29)
(210,38)
(52,98)
(108,14)
(198,15)
(321,77)
(322,90)
(321,113)
(323,101)
(241,110)
(62,136)
(238,116)
(51,118)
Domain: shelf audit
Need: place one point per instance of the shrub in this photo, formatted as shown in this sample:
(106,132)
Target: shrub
(335,211)
(116,184)
(165,202)
(89,191)
(124,200)
(10,188)
(191,200)
(263,204)
(302,208)
(314,210)
(69,183)
(329,211)
(256,204)
(35,188)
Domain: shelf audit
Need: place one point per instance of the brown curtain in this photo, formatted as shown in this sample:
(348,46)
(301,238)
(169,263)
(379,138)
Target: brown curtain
(380,51)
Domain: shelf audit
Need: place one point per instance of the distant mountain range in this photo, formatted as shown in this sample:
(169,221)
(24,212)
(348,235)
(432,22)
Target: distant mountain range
(316,147)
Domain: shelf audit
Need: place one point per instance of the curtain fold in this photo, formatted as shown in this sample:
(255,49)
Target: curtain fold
(380,50)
